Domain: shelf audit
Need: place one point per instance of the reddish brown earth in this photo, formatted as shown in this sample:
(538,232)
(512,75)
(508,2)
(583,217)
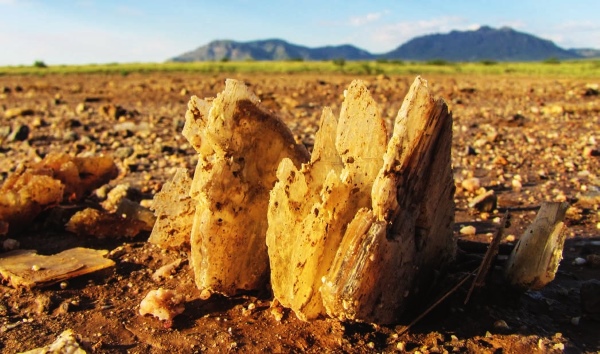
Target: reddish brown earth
(544,130)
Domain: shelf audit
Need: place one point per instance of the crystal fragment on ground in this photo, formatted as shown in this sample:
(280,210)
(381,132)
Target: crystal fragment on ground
(310,208)
(163,304)
(102,224)
(534,261)
(57,178)
(167,270)
(174,210)
(25,268)
(351,231)
(117,203)
(24,195)
(80,175)
(67,342)
(240,145)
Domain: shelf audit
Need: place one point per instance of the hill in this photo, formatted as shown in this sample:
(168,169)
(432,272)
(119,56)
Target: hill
(270,49)
(485,43)
(504,44)
(586,52)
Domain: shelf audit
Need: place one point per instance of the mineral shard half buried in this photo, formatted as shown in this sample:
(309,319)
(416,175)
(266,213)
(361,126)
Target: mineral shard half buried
(357,231)
(239,145)
(354,231)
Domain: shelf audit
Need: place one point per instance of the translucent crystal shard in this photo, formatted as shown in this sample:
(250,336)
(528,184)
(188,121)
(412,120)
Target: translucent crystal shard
(356,231)
(239,145)
(310,208)
(534,260)
(174,213)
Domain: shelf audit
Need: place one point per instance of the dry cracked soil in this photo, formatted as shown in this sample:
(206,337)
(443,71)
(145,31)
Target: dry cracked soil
(529,139)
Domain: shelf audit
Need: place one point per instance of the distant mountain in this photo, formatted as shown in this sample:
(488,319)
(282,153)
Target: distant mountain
(270,49)
(504,44)
(586,52)
(485,43)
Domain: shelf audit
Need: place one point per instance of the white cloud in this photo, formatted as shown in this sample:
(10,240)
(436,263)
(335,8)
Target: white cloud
(392,35)
(580,26)
(515,24)
(573,34)
(365,19)
(89,45)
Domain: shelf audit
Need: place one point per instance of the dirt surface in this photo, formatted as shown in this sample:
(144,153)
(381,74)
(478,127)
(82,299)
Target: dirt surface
(542,133)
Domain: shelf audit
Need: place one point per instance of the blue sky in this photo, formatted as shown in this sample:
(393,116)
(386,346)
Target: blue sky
(105,31)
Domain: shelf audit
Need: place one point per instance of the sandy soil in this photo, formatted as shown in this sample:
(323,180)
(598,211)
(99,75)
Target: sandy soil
(543,130)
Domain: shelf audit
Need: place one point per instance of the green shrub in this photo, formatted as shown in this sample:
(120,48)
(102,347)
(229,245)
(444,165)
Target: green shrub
(339,62)
(551,60)
(488,62)
(438,62)
(39,64)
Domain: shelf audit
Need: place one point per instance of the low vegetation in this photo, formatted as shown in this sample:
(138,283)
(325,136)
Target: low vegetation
(573,68)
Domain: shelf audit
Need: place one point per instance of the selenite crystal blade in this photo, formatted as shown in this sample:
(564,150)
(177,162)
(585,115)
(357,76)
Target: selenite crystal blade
(381,221)
(239,145)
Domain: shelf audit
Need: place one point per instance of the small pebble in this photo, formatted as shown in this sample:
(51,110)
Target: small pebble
(579,261)
(559,346)
(42,304)
(277,313)
(471,184)
(81,107)
(20,133)
(468,230)
(516,185)
(501,324)
(575,321)
(485,201)
(63,308)
(510,238)
(205,294)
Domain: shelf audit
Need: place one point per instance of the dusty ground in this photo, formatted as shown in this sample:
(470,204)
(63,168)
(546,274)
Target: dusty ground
(543,130)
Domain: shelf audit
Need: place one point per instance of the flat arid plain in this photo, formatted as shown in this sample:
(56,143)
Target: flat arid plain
(528,138)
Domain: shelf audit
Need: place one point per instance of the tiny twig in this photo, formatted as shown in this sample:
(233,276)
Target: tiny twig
(486,263)
(435,304)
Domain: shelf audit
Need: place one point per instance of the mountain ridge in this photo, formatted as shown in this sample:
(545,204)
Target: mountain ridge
(485,43)
(271,49)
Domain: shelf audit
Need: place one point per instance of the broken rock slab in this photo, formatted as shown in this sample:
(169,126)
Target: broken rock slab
(25,268)
(239,145)
(360,229)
